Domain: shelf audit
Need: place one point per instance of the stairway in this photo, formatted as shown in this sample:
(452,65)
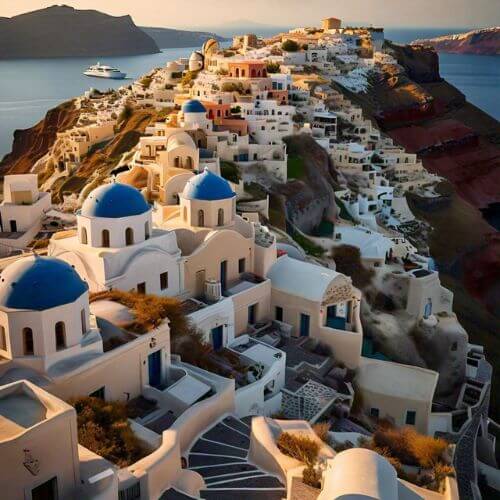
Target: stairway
(221,456)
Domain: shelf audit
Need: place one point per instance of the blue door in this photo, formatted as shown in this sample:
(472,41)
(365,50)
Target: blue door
(304,325)
(334,321)
(217,337)
(154,364)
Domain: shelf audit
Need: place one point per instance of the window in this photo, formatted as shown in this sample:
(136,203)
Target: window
(374,412)
(220,217)
(411,417)
(129,236)
(141,288)
(252,314)
(84,322)
(241,265)
(454,346)
(3,340)
(146,231)
(45,491)
(105,238)
(28,342)
(84,236)
(164,281)
(99,393)
(60,335)
(278,313)
(201,218)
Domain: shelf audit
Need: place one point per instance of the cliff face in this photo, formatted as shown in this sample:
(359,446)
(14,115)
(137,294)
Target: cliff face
(32,143)
(484,42)
(62,31)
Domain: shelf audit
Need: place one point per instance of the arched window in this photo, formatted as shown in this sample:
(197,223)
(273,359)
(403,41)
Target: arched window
(84,236)
(60,335)
(105,238)
(189,162)
(28,342)
(84,322)
(220,217)
(177,162)
(201,218)
(129,236)
(3,339)
(146,231)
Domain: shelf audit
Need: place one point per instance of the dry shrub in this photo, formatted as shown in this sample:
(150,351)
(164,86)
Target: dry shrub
(103,428)
(302,448)
(410,447)
(427,450)
(322,429)
(311,477)
(149,311)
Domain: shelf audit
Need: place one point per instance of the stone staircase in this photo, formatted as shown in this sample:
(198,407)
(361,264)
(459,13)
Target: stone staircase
(221,456)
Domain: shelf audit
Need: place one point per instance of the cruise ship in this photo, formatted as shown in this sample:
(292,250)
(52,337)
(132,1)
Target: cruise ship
(103,71)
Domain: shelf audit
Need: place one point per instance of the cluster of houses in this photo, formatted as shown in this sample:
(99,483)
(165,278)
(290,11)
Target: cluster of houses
(283,331)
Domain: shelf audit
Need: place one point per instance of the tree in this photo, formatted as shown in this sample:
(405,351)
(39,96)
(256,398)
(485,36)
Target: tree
(290,46)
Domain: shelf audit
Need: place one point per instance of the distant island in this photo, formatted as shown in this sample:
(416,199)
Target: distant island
(168,38)
(480,42)
(62,31)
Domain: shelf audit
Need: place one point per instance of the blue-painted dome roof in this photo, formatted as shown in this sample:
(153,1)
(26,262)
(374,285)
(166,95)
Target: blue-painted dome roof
(207,186)
(39,283)
(193,106)
(114,201)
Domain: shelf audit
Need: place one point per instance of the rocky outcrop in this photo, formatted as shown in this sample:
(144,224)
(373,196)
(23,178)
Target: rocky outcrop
(33,143)
(484,42)
(311,199)
(421,64)
(62,31)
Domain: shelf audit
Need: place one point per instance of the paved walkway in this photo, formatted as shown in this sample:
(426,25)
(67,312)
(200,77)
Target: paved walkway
(221,456)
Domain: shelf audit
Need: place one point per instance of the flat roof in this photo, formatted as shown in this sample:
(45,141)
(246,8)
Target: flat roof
(189,389)
(397,380)
(18,412)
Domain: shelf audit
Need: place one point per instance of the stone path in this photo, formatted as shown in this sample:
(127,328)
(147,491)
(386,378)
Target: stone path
(221,456)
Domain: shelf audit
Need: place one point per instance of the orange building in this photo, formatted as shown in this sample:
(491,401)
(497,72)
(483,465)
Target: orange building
(215,110)
(280,96)
(247,69)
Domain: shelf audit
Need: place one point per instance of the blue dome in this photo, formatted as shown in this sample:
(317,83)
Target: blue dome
(39,283)
(193,106)
(207,186)
(114,201)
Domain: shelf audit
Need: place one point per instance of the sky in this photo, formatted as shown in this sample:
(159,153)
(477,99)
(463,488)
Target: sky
(205,13)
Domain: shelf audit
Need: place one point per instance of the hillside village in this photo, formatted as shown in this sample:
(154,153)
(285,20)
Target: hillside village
(230,286)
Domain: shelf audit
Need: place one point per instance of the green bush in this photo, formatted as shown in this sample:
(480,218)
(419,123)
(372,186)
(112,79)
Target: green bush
(273,67)
(295,167)
(230,171)
(308,245)
(290,46)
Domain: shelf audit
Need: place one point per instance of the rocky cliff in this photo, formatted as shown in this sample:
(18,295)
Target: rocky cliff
(62,31)
(484,41)
(33,143)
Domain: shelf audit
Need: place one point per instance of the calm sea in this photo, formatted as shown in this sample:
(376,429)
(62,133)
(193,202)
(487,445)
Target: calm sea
(29,87)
